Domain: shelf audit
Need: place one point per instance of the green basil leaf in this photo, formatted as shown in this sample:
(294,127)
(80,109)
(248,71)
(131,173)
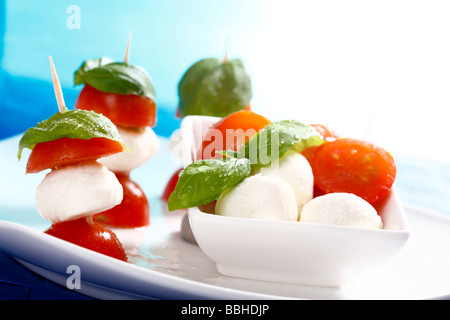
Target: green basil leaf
(203,181)
(116,77)
(214,87)
(80,124)
(89,65)
(275,139)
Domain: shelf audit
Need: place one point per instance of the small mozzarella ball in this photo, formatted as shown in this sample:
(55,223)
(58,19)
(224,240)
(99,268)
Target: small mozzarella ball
(295,170)
(143,145)
(341,209)
(75,191)
(258,196)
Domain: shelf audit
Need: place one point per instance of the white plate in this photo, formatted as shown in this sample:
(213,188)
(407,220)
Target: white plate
(163,266)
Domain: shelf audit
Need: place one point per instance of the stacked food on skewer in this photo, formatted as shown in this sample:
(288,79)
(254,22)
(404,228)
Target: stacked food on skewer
(70,144)
(212,87)
(125,94)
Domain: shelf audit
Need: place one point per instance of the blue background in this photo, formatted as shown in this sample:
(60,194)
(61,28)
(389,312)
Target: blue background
(161,42)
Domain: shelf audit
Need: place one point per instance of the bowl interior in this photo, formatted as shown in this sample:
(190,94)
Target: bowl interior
(193,129)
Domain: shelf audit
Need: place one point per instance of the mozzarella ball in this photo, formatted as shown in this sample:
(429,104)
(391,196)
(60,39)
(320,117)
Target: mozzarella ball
(258,196)
(143,145)
(295,170)
(340,208)
(75,191)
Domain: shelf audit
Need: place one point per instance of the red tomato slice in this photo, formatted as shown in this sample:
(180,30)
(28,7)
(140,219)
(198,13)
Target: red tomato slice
(123,110)
(66,151)
(170,186)
(231,132)
(89,235)
(354,166)
(308,152)
(132,212)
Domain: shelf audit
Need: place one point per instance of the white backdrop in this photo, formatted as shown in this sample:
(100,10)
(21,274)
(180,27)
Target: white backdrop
(377,70)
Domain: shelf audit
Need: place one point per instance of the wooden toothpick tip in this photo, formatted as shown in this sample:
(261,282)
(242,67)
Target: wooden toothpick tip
(57,87)
(227,49)
(225,59)
(125,59)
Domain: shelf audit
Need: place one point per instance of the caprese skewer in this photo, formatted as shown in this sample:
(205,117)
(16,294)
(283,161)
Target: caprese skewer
(77,187)
(125,94)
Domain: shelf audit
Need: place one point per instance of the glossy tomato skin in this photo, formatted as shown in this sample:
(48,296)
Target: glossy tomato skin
(90,235)
(67,151)
(308,152)
(123,110)
(132,212)
(354,166)
(231,132)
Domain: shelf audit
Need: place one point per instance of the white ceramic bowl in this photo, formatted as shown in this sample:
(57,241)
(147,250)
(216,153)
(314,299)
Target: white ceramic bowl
(291,252)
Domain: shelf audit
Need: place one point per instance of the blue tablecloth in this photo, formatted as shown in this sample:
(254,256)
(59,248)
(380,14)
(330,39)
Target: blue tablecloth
(19,283)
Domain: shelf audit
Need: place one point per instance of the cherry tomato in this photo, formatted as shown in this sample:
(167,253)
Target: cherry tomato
(65,151)
(354,166)
(89,235)
(132,212)
(123,110)
(231,132)
(308,152)
(170,186)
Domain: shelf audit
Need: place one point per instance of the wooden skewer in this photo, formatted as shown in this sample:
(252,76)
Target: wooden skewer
(225,60)
(57,88)
(125,59)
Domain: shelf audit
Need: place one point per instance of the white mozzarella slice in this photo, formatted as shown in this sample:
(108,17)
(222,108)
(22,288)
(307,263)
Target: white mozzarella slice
(75,191)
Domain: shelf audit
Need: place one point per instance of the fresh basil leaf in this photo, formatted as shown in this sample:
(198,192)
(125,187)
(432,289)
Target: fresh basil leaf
(115,77)
(203,181)
(89,65)
(80,124)
(214,87)
(275,139)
